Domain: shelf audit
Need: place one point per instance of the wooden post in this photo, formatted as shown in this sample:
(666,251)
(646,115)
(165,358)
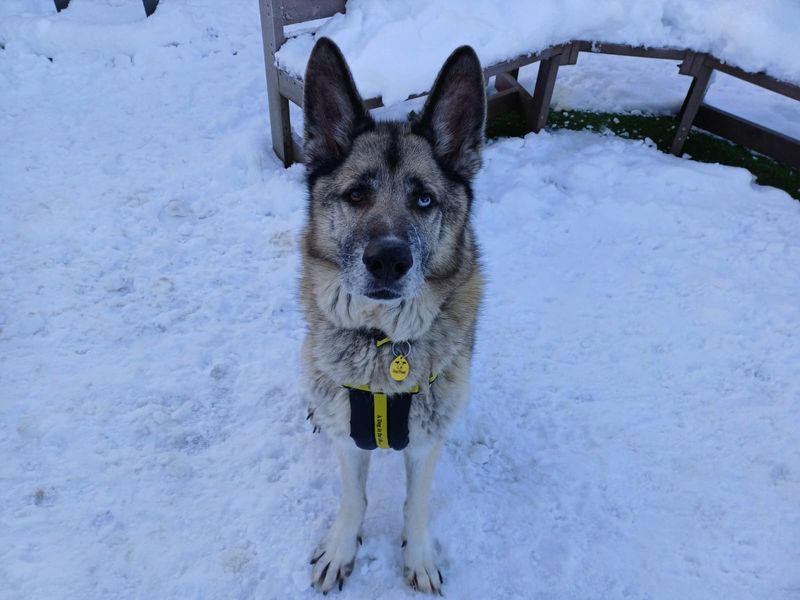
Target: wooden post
(695,65)
(272,37)
(543,91)
(546,81)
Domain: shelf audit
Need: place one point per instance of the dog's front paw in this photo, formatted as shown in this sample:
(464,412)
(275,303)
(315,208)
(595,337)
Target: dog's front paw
(333,559)
(420,569)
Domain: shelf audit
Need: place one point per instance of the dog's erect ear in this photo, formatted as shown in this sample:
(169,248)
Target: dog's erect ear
(333,111)
(454,116)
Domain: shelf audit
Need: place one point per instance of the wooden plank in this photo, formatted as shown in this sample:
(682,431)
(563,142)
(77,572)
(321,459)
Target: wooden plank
(501,81)
(761,139)
(291,87)
(299,11)
(525,102)
(543,92)
(760,79)
(297,148)
(691,104)
(503,102)
(377,102)
(627,50)
(279,119)
(692,64)
(150,6)
(569,55)
(522,60)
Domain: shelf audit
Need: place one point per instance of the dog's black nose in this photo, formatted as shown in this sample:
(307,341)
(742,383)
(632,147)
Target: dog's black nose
(387,260)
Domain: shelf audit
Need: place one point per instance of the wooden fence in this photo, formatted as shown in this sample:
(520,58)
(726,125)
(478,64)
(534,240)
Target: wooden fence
(283,87)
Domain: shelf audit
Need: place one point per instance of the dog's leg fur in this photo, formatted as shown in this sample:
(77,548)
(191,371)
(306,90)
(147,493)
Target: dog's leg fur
(335,554)
(420,570)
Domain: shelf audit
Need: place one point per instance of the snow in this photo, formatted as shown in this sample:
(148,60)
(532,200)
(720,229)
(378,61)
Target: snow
(633,424)
(419,34)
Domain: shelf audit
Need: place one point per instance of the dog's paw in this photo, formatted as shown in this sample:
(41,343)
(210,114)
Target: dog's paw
(333,559)
(420,570)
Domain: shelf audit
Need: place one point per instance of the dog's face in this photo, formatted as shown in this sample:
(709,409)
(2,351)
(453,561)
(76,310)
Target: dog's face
(390,201)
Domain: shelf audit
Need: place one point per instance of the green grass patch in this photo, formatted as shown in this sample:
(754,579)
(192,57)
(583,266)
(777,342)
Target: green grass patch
(699,145)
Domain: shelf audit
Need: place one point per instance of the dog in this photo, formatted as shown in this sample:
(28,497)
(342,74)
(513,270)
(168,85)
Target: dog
(390,287)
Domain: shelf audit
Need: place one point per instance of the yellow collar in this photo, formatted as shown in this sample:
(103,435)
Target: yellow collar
(399,368)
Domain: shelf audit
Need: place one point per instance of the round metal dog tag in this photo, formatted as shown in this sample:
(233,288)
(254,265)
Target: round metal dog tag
(399,368)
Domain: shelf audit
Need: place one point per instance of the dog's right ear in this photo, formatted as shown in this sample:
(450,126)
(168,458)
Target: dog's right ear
(454,115)
(333,111)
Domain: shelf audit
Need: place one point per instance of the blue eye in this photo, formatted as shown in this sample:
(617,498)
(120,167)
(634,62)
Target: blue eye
(424,201)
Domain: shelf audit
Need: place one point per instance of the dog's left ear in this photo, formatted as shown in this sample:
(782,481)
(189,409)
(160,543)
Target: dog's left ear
(333,111)
(454,116)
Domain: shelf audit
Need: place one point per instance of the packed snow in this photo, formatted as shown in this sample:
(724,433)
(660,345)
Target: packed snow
(633,426)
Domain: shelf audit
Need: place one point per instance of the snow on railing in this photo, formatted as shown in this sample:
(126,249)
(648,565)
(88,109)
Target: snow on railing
(284,86)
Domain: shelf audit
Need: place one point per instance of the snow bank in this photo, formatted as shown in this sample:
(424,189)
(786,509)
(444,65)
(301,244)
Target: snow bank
(396,48)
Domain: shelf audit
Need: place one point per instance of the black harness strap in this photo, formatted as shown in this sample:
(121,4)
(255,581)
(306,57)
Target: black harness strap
(363,419)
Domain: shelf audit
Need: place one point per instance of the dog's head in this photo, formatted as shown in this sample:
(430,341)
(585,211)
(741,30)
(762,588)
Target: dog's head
(390,201)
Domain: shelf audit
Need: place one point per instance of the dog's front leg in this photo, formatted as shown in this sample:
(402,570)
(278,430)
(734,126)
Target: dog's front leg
(335,555)
(421,571)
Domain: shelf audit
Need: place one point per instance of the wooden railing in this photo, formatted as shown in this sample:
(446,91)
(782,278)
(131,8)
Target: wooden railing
(283,87)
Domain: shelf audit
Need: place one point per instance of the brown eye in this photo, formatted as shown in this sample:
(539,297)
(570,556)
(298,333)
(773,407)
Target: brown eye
(355,195)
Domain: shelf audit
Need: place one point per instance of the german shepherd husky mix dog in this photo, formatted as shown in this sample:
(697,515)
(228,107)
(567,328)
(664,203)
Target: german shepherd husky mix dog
(390,287)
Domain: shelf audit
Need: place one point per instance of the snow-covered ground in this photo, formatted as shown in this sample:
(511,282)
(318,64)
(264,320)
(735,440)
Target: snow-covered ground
(633,429)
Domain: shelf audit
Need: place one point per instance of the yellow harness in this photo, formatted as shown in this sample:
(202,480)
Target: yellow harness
(378,419)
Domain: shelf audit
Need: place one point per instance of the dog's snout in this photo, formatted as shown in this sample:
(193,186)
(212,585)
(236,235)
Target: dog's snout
(387,260)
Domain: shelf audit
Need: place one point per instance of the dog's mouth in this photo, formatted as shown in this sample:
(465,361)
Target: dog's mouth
(382,294)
